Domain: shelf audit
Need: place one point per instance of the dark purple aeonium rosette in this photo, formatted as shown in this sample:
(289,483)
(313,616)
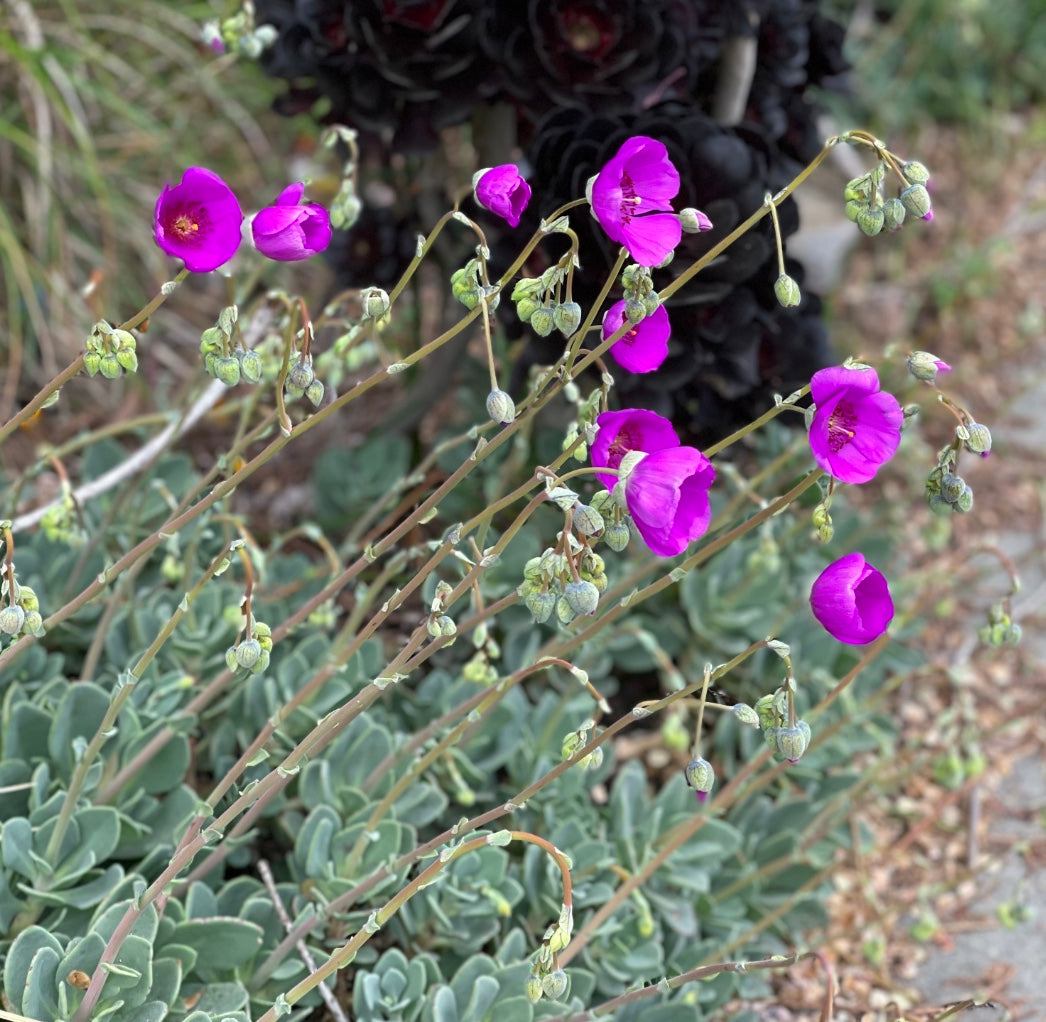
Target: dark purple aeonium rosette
(632,200)
(198,220)
(291,229)
(852,600)
(632,429)
(503,191)
(645,346)
(856,427)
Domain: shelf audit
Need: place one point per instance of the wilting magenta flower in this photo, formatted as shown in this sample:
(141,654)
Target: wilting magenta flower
(632,200)
(503,191)
(667,496)
(852,600)
(645,346)
(292,229)
(856,427)
(198,220)
(632,429)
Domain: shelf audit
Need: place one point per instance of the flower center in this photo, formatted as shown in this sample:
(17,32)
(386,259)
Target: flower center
(621,445)
(629,199)
(841,425)
(187,224)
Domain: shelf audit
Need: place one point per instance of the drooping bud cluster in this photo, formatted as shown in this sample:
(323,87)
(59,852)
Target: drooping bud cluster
(546,978)
(239,34)
(1001,629)
(867,206)
(301,379)
(574,740)
(537,303)
(19,611)
(468,286)
(252,652)
(61,522)
(786,741)
(946,491)
(110,351)
(223,357)
(641,300)
(550,587)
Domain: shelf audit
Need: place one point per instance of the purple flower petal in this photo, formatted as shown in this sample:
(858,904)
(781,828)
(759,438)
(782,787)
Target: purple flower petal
(291,230)
(632,429)
(851,599)
(645,346)
(198,220)
(503,191)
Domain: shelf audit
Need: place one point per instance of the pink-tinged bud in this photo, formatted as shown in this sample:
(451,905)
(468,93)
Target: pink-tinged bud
(503,191)
(291,230)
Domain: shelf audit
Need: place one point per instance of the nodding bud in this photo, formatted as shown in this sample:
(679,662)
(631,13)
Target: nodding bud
(500,407)
(635,310)
(853,209)
(533,988)
(251,366)
(787,291)
(375,302)
(894,211)
(554,985)
(746,714)
(952,487)
(924,366)
(916,200)
(543,321)
(541,606)
(248,653)
(915,172)
(92,363)
(582,597)
(792,741)
(300,374)
(526,306)
(693,221)
(616,536)
(699,775)
(976,438)
(587,520)
(227,370)
(567,318)
(110,367)
(964,503)
(314,392)
(12,618)
(871,220)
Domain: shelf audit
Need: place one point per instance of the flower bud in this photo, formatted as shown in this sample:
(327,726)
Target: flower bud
(916,200)
(500,407)
(375,302)
(593,761)
(314,392)
(894,211)
(764,708)
(635,310)
(567,318)
(870,220)
(92,363)
(543,321)
(34,623)
(110,366)
(533,988)
(227,370)
(300,374)
(787,291)
(464,288)
(554,985)
(564,612)
(541,606)
(248,653)
(792,741)
(699,775)
(915,172)
(616,536)
(587,520)
(127,360)
(12,618)
(952,487)
(582,597)
(924,366)
(854,208)
(526,306)
(964,502)
(693,221)
(746,714)
(977,438)
(251,366)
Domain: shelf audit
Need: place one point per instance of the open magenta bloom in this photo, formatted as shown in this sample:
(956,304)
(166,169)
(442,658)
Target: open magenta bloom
(852,600)
(632,200)
(503,191)
(667,496)
(856,427)
(198,221)
(633,429)
(645,346)
(292,229)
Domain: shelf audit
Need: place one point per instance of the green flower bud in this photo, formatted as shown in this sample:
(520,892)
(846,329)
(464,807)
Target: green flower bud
(693,221)
(964,503)
(593,761)
(791,742)
(915,172)
(870,220)
(526,307)
(635,310)
(248,653)
(582,597)
(230,658)
(977,438)
(314,392)
(26,598)
(121,339)
(616,536)
(541,605)
(251,366)
(699,775)
(110,366)
(11,619)
(746,714)
(543,321)
(651,302)
(787,291)
(300,374)
(854,208)
(92,363)
(533,988)
(500,407)
(127,360)
(567,318)
(952,487)
(916,200)
(446,627)
(554,985)
(587,520)
(564,612)
(34,623)
(764,708)
(375,302)
(227,370)
(925,366)
(894,211)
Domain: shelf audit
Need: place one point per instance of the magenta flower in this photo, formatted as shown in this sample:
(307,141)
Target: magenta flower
(198,221)
(631,199)
(667,496)
(645,346)
(856,427)
(503,191)
(292,229)
(633,429)
(852,600)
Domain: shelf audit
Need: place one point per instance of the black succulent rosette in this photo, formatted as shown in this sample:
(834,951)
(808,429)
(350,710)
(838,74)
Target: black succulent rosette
(399,69)
(732,344)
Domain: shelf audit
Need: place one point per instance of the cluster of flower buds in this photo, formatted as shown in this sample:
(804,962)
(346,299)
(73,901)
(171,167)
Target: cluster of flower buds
(252,653)
(223,358)
(468,286)
(641,300)
(239,34)
(947,492)
(550,586)
(787,741)
(546,978)
(110,351)
(20,614)
(301,379)
(867,207)
(574,740)
(537,304)
(61,521)
(1001,630)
